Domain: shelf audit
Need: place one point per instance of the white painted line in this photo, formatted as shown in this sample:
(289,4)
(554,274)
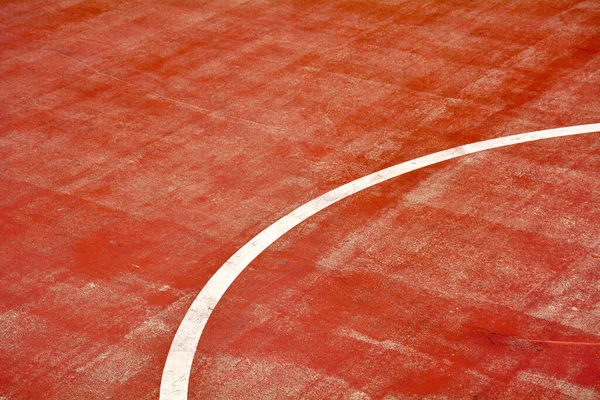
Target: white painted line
(176,374)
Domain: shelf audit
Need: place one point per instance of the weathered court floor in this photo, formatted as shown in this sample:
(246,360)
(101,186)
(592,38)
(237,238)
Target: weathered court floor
(142,143)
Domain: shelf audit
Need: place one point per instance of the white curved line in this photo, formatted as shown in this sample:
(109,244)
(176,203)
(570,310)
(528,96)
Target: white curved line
(176,373)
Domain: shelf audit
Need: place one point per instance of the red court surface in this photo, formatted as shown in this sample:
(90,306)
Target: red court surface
(143,143)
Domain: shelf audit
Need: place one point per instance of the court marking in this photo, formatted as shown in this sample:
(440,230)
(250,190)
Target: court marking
(178,365)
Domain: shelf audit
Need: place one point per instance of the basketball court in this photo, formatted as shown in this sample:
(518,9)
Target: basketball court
(300,200)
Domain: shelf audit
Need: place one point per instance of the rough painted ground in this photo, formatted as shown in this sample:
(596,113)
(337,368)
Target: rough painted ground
(142,143)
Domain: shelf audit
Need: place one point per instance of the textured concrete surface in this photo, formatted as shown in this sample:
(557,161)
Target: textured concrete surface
(142,143)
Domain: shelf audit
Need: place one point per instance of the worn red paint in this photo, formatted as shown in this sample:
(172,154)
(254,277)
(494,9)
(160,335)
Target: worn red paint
(142,144)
